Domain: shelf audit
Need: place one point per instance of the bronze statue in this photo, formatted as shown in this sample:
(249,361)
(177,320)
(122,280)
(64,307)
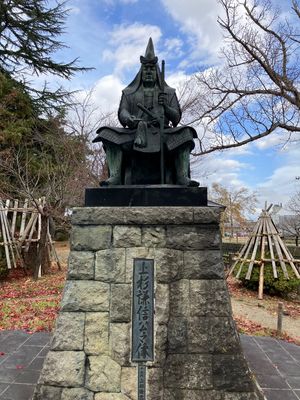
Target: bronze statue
(150,148)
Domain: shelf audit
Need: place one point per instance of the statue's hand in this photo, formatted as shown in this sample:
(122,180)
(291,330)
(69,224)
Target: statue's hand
(132,122)
(154,122)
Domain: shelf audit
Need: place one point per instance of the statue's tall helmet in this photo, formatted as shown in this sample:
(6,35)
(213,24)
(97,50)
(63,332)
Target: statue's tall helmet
(150,57)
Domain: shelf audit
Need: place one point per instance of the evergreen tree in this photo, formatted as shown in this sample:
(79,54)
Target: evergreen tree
(29,39)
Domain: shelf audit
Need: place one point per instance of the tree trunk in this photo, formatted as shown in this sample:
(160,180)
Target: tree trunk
(42,259)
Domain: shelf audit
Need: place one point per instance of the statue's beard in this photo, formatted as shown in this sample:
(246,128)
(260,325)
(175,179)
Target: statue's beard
(149,82)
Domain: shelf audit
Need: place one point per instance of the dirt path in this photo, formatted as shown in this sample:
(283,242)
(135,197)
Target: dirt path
(255,310)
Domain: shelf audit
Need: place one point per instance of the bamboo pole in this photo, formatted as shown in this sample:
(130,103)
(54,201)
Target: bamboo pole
(246,249)
(33,228)
(262,265)
(6,249)
(54,252)
(273,261)
(23,218)
(8,236)
(275,235)
(6,208)
(248,275)
(27,229)
(14,218)
(289,257)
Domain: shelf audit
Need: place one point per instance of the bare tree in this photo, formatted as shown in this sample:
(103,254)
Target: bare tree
(294,204)
(256,92)
(290,226)
(238,203)
(83,120)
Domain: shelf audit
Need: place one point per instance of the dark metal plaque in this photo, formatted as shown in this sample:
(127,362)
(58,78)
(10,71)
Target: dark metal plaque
(141,381)
(142,310)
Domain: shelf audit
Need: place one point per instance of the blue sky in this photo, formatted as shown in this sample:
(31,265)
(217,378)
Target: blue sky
(110,35)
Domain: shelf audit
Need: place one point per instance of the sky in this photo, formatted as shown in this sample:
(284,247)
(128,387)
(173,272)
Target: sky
(110,36)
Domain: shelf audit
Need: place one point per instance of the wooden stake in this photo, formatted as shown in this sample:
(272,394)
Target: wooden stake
(279,318)
(261,282)
(248,275)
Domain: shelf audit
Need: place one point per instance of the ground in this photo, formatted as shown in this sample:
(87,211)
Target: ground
(33,306)
(259,317)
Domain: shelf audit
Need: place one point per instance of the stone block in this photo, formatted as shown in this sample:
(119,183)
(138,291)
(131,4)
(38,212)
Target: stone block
(96,333)
(127,236)
(98,215)
(209,297)
(202,264)
(178,394)
(119,343)
(91,238)
(212,335)
(188,371)
(129,382)
(230,372)
(207,215)
(63,368)
(155,384)
(85,296)
(69,331)
(160,345)
(81,265)
(136,252)
(168,264)
(47,393)
(103,374)
(111,396)
(179,298)
(158,215)
(162,304)
(110,266)
(154,236)
(189,237)
(120,302)
(177,335)
(132,215)
(77,394)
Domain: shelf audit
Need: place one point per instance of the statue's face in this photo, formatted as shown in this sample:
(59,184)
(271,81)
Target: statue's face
(148,73)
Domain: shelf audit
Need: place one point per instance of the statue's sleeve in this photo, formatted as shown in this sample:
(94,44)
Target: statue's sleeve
(172,110)
(124,111)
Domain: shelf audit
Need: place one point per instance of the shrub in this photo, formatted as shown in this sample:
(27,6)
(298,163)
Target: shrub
(274,286)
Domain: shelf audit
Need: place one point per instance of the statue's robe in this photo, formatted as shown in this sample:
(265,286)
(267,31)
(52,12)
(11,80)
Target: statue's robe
(173,136)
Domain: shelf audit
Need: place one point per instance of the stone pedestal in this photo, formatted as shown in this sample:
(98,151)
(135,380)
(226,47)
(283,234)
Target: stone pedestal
(197,350)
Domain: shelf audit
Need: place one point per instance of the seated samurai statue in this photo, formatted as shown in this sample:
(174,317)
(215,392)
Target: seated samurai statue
(150,148)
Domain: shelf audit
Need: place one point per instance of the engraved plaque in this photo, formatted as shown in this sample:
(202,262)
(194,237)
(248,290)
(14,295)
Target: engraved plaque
(142,310)
(141,381)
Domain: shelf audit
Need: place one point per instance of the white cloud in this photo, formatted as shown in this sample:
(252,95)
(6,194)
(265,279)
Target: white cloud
(113,2)
(218,168)
(198,19)
(275,139)
(107,93)
(173,48)
(127,43)
(281,185)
